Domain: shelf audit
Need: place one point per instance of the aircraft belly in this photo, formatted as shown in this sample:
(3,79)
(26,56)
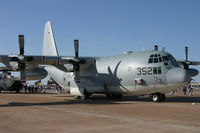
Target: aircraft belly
(140,90)
(91,84)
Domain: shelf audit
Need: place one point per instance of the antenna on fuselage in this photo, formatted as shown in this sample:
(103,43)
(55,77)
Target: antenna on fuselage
(156,47)
(163,49)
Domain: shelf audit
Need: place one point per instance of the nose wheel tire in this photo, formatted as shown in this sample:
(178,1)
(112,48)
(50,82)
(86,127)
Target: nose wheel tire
(85,96)
(157,97)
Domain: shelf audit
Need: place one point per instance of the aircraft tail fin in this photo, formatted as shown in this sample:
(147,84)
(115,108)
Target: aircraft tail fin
(49,44)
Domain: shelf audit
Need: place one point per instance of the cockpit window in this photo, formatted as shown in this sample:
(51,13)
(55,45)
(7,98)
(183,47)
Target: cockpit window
(170,58)
(160,59)
(156,58)
(165,58)
(150,60)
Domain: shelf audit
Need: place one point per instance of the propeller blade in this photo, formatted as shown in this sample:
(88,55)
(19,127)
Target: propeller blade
(77,76)
(21,44)
(23,76)
(76,48)
(186,53)
(77,71)
(76,64)
(22,61)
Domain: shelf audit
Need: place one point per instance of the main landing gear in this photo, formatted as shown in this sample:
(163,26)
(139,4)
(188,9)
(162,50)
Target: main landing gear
(158,97)
(85,96)
(114,96)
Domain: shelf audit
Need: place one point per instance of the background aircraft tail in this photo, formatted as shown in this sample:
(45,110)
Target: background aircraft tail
(49,45)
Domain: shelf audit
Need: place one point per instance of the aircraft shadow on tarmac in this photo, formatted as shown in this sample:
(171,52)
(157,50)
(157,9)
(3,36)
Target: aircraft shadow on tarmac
(100,100)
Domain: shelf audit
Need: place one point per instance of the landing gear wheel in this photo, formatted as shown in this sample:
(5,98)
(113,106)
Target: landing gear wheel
(156,97)
(77,97)
(111,96)
(163,97)
(86,94)
(18,90)
(119,96)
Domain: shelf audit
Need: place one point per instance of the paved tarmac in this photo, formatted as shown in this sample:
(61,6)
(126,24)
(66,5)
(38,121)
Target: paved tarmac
(61,113)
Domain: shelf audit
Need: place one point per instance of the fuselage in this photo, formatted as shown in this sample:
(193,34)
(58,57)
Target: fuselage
(138,73)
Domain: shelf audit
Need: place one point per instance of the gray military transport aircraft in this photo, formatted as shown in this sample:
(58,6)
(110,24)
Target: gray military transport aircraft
(152,73)
(9,82)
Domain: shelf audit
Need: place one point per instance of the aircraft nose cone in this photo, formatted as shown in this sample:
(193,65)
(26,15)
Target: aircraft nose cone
(178,76)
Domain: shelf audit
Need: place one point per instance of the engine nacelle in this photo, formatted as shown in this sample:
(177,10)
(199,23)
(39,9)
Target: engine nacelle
(75,91)
(13,65)
(36,74)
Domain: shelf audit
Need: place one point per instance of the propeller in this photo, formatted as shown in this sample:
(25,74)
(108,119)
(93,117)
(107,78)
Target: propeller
(186,53)
(76,63)
(76,48)
(21,61)
(186,63)
(21,44)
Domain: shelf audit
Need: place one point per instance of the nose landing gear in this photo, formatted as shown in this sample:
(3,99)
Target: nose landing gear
(158,97)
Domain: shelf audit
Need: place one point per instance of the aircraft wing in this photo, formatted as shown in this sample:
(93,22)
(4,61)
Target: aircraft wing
(56,60)
(34,61)
(188,62)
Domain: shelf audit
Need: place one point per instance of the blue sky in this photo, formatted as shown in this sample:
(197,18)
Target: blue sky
(104,27)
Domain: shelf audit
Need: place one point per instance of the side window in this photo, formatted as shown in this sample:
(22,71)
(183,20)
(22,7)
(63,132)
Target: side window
(159,70)
(154,70)
(150,60)
(160,59)
(165,60)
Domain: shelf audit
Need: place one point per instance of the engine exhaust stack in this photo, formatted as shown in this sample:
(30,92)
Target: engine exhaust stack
(156,47)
